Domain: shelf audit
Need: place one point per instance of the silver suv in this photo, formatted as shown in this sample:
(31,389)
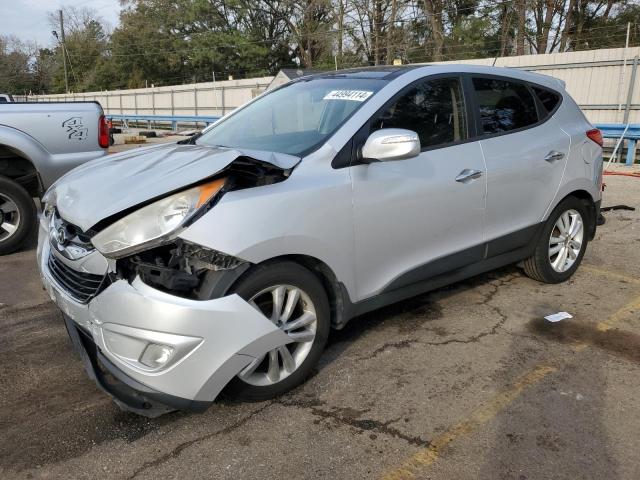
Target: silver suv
(227,260)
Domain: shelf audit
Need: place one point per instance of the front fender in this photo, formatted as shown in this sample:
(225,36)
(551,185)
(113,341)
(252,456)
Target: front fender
(307,214)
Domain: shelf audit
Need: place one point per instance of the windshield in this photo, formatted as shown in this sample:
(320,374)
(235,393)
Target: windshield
(295,119)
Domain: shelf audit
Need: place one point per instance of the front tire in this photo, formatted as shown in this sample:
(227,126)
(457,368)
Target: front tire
(562,243)
(294,299)
(17,215)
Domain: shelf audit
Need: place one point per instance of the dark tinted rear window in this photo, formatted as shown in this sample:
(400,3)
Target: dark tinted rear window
(549,99)
(3,100)
(504,105)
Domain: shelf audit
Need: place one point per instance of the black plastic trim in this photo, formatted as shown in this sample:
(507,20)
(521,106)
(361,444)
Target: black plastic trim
(458,266)
(594,221)
(127,392)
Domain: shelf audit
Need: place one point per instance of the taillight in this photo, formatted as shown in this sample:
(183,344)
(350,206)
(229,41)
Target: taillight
(103,132)
(595,135)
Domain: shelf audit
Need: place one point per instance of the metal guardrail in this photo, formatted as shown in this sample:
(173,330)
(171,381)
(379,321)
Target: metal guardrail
(609,130)
(173,119)
(617,130)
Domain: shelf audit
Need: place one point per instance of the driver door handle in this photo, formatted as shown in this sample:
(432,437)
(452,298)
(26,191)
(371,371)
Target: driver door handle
(553,156)
(467,175)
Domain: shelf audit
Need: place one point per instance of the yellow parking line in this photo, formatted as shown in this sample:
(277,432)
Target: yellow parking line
(608,273)
(482,415)
(478,418)
(629,308)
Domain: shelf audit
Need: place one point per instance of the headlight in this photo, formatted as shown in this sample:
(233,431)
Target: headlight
(155,223)
(45,217)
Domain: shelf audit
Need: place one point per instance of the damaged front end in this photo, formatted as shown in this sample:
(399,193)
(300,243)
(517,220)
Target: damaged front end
(190,270)
(163,331)
(184,269)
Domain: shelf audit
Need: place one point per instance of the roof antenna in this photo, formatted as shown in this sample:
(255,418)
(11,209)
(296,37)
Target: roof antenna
(494,61)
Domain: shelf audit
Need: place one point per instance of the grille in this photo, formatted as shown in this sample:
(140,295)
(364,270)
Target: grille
(81,286)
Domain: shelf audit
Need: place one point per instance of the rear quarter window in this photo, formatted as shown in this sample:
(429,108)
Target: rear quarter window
(549,99)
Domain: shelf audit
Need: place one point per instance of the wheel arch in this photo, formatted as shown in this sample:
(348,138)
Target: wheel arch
(589,203)
(17,166)
(336,292)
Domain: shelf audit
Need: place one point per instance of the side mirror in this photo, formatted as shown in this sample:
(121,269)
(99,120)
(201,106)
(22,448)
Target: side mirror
(391,144)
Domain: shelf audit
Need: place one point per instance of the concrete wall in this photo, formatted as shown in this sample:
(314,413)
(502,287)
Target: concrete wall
(207,98)
(597,80)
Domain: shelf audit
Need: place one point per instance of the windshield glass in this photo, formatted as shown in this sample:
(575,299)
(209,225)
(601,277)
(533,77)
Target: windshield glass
(295,119)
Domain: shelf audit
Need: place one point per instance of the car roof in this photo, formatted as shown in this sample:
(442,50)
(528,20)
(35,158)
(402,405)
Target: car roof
(389,72)
(515,73)
(382,72)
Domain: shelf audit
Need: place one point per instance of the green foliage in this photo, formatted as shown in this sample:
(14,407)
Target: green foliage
(163,42)
(15,72)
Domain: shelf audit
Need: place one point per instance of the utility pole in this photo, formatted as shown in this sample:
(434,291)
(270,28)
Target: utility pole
(64,49)
(623,71)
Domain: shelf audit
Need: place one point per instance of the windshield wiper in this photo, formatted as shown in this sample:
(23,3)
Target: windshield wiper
(191,140)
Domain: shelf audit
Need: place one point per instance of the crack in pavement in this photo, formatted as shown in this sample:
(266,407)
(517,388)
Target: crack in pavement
(472,339)
(363,424)
(339,415)
(385,346)
(178,449)
(487,299)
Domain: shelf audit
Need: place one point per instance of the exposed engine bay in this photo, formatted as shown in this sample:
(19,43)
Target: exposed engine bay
(179,268)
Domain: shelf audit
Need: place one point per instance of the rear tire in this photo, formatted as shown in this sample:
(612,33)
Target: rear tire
(558,253)
(258,286)
(17,215)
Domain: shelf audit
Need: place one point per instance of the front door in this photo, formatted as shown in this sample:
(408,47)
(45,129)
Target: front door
(412,215)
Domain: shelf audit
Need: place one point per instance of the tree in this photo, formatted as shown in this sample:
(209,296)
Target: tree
(166,42)
(86,47)
(16,67)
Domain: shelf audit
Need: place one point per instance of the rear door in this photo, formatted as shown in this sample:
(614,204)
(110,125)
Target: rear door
(411,215)
(525,151)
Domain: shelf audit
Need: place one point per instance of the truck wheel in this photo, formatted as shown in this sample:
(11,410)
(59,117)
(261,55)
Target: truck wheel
(17,215)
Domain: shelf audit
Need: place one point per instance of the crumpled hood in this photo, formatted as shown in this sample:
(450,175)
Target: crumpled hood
(109,185)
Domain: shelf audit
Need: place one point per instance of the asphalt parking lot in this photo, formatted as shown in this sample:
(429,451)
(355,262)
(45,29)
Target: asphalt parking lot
(465,382)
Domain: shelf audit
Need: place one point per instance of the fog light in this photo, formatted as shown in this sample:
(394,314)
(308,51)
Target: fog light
(156,356)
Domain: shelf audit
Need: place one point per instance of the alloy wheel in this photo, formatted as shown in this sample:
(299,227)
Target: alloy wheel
(291,310)
(9,217)
(566,240)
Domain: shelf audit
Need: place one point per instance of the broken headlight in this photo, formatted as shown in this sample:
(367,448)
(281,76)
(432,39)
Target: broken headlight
(155,223)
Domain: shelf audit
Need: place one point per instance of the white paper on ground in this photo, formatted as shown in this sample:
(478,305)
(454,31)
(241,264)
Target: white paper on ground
(556,317)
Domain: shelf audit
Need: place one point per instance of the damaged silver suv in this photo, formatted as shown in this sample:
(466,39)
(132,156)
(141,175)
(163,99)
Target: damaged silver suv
(225,260)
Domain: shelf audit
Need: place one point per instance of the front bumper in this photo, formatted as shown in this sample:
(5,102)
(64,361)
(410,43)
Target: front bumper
(213,340)
(127,393)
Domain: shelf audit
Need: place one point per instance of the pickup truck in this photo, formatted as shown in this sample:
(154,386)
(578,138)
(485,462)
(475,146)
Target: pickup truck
(39,142)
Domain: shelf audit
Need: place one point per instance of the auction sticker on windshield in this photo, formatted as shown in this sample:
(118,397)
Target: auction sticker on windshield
(354,95)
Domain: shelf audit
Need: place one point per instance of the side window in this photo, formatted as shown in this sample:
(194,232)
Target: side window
(3,100)
(548,98)
(434,109)
(504,105)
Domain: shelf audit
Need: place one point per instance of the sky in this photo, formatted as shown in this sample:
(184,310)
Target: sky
(27,19)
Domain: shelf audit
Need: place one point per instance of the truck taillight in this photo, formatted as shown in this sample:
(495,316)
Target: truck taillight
(103,132)
(595,135)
